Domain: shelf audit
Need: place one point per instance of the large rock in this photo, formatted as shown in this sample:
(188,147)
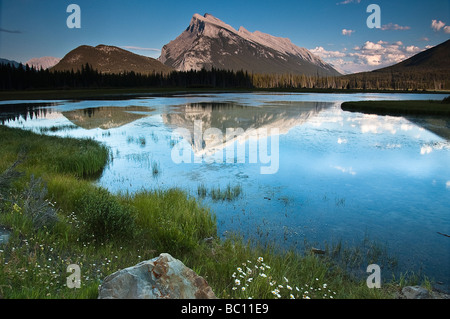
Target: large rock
(163,277)
(416,292)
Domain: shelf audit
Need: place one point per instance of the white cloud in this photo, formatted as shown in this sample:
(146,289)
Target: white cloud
(412,49)
(447,29)
(347,32)
(368,56)
(426,149)
(320,51)
(348,1)
(437,25)
(447,184)
(392,26)
(345,170)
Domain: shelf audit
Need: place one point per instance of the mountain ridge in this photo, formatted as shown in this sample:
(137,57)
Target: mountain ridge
(208,42)
(45,62)
(109,59)
(435,58)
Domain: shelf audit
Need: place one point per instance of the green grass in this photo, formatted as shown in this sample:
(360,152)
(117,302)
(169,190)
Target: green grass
(80,157)
(229,193)
(103,232)
(401,108)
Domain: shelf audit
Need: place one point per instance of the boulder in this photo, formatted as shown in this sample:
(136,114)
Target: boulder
(416,292)
(163,277)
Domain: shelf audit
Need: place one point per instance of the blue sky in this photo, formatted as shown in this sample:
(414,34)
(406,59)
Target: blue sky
(37,28)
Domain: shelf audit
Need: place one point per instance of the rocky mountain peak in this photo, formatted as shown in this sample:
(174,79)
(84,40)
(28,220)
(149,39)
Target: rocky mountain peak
(209,42)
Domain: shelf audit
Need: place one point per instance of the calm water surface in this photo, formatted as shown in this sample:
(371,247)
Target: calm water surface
(341,176)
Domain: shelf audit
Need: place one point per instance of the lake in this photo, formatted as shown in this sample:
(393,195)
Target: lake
(298,167)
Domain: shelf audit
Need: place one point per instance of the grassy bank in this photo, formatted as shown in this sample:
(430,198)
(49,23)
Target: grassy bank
(58,217)
(400,108)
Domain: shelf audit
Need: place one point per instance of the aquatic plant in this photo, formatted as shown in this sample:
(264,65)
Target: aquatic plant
(229,193)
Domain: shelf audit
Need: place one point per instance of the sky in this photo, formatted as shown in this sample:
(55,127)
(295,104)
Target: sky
(335,30)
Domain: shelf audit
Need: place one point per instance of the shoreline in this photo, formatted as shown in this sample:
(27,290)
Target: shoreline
(400,108)
(128,93)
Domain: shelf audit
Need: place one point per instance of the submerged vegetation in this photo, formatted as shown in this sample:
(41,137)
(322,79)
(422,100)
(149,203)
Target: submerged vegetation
(228,193)
(56,217)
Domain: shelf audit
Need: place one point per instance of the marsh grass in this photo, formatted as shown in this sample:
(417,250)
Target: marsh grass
(170,220)
(141,140)
(51,154)
(229,193)
(156,170)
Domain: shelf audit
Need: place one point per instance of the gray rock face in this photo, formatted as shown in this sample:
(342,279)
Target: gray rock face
(163,277)
(211,43)
(415,292)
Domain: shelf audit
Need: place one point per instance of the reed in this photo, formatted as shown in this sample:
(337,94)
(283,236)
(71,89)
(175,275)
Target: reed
(229,193)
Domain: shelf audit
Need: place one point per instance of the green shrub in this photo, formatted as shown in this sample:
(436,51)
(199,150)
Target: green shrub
(104,218)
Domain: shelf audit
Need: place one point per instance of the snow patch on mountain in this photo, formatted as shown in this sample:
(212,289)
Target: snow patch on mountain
(43,62)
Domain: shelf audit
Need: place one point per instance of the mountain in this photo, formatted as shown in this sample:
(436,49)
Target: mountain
(427,70)
(209,42)
(282,116)
(44,62)
(11,62)
(110,59)
(106,117)
(434,59)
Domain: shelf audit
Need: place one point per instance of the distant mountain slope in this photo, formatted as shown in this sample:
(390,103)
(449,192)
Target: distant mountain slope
(110,59)
(209,42)
(11,62)
(44,62)
(427,70)
(434,59)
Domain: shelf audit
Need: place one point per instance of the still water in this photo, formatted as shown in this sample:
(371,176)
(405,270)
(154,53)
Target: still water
(336,176)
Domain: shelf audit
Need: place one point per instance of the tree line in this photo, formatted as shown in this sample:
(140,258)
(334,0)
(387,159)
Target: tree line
(26,77)
(395,80)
